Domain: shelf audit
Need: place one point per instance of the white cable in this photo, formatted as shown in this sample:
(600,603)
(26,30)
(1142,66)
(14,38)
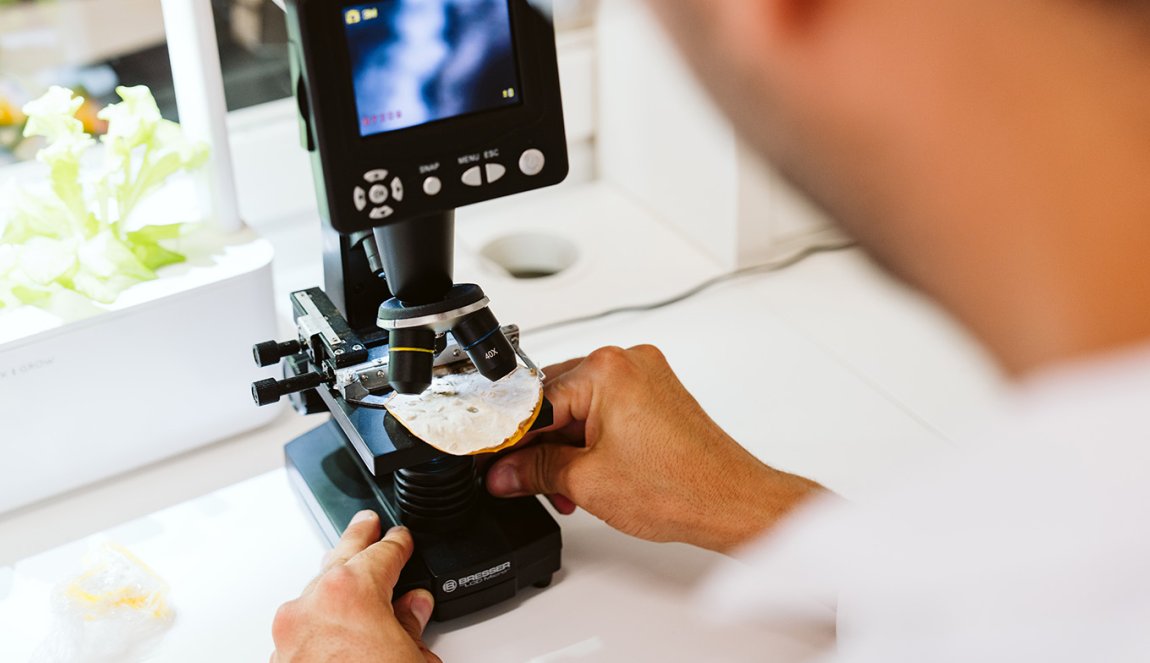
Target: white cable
(788,254)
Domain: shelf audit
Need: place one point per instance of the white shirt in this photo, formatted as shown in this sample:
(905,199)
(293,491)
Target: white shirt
(1029,543)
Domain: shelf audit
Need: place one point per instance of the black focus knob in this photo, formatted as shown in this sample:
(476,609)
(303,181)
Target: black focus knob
(266,392)
(269,353)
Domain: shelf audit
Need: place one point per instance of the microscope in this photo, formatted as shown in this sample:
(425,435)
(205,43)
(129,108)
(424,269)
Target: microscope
(411,109)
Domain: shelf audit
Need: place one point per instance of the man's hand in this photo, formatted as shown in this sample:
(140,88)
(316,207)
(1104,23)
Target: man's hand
(346,614)
(631,446)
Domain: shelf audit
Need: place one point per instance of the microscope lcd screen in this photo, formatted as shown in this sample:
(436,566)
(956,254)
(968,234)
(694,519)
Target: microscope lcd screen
(419,61)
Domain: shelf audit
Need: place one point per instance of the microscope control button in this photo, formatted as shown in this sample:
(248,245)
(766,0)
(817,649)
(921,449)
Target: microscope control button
(360,199)
(473,177)
(378,194)
(531,162)
(432,186)
(374,176)
(495,172)
(381,212)
(397,189)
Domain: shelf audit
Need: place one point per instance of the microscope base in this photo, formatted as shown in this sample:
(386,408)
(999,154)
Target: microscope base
(507,545)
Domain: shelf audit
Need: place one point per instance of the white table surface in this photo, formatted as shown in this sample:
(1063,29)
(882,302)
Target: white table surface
(826,369)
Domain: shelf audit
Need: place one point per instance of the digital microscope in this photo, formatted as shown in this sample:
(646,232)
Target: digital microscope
(411,109)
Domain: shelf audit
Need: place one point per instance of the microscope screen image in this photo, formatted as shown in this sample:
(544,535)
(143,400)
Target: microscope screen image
(419,61)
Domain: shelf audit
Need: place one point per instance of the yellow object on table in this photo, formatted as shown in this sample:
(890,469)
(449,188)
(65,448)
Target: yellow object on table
(116,609)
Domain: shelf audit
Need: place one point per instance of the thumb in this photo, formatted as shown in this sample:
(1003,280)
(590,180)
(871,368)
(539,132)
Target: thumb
(535,470)
(413,611)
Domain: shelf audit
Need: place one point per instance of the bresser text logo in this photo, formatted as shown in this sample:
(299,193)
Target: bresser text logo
(477,578)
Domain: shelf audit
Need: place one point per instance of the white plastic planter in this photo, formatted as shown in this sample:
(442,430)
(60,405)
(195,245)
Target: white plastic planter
(165,369)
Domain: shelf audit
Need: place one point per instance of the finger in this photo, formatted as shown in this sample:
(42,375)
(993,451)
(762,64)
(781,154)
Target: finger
(413,610)
(361,532)
(562,504)
(570,395)
(555,370)
(573,434)
(384,560)
(555,374)
(539,469)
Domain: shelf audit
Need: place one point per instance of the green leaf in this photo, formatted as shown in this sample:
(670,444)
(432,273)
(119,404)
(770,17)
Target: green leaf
(30,295)
(8,259)
(53,116)
(45,260)
(105,256)
(33,215)
(104,291)
(65,177)
(154,256)
(161,232)
(132,122)
(153,173)
(171,138)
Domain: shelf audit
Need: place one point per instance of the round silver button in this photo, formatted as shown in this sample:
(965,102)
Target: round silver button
(432,186)
(531,162)
(377,194)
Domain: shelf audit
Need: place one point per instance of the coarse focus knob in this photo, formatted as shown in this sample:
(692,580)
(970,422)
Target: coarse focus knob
(269,353)
(266,392)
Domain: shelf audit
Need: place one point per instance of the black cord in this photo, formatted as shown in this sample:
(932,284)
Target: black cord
(764,268)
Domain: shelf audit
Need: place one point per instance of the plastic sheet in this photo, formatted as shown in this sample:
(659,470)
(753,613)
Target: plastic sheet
(117,609)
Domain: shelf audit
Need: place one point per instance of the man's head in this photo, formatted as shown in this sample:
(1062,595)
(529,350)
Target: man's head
(995,153)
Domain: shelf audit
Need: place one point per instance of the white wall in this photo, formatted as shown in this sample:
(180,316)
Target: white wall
(663,141)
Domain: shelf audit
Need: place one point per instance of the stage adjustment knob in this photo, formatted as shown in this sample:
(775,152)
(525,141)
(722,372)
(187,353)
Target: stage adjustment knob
(266,392)
(269,353)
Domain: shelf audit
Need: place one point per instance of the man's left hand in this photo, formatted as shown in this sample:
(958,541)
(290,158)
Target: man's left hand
(346,614)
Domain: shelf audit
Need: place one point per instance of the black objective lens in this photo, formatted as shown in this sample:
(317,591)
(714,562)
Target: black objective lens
(410,356)
(481,338)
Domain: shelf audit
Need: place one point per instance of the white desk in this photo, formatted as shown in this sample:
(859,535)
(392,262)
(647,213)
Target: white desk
(839,375)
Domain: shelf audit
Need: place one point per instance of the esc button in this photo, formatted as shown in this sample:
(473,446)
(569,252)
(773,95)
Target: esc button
(495,172)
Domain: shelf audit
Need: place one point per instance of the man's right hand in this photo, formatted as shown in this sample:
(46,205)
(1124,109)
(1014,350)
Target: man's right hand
(631,446)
